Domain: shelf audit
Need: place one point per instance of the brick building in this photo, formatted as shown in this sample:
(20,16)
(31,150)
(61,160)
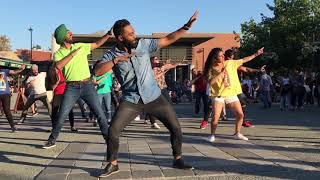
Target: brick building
(37,55)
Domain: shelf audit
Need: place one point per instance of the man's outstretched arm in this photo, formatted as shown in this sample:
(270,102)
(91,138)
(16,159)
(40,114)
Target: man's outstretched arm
(174,36)
(101,41)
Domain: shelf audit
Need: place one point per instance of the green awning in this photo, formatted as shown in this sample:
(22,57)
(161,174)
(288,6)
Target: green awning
(13,64)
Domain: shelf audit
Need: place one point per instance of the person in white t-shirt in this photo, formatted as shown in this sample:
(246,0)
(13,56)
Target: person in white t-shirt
(39,92)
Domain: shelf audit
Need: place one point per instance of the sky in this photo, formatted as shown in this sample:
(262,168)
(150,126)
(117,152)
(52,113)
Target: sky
(146,16)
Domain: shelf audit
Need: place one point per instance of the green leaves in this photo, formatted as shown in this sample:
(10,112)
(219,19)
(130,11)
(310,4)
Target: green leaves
(289,34)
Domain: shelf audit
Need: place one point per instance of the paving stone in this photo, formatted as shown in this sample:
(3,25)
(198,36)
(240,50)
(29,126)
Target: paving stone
(208,170)
(140,174)
(161,151)
(214,152)
(52,176)
(54,171)
(176,172)
(82,176)
(124,166)
(64,162)
(280,159)
(119,175)
(140,166)
(239,152)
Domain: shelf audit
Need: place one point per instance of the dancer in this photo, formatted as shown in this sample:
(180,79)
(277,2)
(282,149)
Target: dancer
(72,58)
(104,88)
(56,79)
(230,55)
(225,86)
(39,92)
(5,96)
(140,90)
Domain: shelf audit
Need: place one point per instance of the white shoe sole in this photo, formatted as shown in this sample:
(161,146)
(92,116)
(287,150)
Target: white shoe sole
(49,147)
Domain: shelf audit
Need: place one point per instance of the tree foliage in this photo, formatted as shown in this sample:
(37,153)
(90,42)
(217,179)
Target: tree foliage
(5,44)
(288,37)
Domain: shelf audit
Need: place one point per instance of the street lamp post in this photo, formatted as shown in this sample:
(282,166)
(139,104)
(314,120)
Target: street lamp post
(30,29)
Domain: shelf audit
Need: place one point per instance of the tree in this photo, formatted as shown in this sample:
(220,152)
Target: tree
(36,46)
(288,37)
(5,44)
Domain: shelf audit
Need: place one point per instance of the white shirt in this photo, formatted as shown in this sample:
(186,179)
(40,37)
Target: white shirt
(38,83)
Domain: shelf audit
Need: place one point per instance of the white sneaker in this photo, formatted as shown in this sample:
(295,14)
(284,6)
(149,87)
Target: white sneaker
(137,118)
(155,126)
(212,138)
(240,137)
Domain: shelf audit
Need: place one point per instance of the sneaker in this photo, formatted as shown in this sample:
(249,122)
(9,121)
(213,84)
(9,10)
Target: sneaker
(137,118)
(203,124)
(145,122)
(14,129)
(21,121)
(155,126)
(246,124)
(110,169)
(224,118)
(179,164)
(95,123)
(240,136)
(49,145)
(49,130)
(212,138)
(73,129)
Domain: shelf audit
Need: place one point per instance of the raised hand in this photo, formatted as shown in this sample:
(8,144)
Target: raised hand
(192,19)
(260,51)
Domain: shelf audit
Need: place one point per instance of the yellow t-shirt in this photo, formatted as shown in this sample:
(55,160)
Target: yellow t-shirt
(78,68)
(218,88)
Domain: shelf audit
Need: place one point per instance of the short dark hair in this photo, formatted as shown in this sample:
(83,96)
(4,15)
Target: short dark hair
(119,25)
(228,53)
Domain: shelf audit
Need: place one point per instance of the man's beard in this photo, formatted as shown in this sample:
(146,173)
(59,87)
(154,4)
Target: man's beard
(69,41)
(130,45)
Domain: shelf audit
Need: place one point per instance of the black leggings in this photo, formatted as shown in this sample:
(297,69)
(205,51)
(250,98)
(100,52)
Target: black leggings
(56,102)
(127,111)
(5,100)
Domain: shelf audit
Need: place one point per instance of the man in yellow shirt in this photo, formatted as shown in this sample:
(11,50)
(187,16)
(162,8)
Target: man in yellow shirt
(72,59)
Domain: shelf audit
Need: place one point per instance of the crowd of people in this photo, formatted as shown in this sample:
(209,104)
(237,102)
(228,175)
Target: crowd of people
(129,81)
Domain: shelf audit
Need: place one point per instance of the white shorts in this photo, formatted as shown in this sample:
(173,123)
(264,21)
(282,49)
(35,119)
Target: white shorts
(227,100)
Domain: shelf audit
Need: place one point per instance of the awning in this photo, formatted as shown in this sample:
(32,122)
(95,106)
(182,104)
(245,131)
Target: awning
(12,64)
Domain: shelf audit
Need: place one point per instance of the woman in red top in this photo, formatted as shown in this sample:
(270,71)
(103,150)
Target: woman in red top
(57,80)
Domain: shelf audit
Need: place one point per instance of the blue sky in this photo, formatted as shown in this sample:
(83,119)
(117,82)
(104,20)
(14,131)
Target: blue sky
(147,16)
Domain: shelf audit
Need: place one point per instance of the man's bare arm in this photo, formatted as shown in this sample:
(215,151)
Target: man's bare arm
(12,72)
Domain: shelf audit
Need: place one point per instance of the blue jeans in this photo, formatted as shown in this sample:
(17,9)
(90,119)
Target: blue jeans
(266,99)
(73,92)
(106,100)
